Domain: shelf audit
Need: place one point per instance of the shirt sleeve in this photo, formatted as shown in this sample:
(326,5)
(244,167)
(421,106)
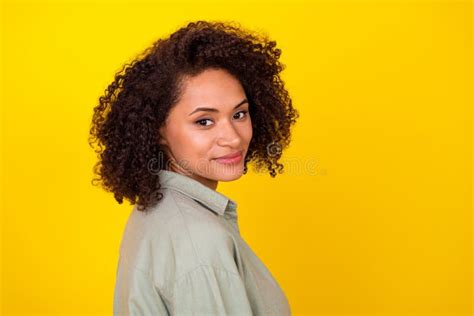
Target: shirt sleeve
(208,290)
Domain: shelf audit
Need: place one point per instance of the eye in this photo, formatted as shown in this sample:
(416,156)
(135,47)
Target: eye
(203,120)
(244,113)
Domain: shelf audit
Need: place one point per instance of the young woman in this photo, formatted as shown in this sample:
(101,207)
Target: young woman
(193,110)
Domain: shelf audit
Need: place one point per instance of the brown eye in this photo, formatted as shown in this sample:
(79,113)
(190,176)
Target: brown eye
(244,114)
(203,120)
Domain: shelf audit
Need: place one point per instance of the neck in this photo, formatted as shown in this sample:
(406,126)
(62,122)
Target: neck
(212,184)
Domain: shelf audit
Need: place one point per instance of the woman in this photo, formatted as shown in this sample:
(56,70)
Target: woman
(193,110)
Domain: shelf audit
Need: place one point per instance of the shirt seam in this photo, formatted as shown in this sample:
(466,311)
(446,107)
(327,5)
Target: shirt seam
(176,283)
(156,288)
(160,291)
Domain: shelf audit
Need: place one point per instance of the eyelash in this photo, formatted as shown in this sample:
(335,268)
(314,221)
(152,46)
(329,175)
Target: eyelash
(197,122)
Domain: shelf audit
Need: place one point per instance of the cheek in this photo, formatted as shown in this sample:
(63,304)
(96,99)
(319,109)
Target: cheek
(192,144)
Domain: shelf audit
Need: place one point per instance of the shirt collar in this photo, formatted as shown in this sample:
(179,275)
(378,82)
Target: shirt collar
(214,200)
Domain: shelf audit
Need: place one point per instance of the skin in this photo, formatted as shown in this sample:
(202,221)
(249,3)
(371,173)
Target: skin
(193,141)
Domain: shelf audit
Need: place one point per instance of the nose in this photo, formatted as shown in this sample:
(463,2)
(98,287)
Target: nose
(229,135)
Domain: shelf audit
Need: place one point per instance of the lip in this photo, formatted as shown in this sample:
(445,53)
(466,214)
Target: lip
(231,158)
(233,155)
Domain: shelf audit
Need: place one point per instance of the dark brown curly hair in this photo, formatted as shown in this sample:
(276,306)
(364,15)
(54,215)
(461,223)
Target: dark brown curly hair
(125,123)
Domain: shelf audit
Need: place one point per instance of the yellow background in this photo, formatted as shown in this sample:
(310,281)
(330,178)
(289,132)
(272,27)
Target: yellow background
(373,215)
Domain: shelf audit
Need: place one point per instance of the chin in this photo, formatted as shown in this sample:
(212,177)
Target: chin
(229,174)
(230,177)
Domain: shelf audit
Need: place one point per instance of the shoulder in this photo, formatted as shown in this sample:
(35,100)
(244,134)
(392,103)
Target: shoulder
(192,226)
(177,212)
(185,235)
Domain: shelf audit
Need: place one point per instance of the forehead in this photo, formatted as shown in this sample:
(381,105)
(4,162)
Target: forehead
(212,87)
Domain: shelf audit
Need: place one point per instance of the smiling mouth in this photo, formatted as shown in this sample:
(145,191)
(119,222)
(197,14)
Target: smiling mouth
(234,155)
(230,160)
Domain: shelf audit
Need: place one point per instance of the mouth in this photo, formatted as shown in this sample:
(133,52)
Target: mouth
(231,158)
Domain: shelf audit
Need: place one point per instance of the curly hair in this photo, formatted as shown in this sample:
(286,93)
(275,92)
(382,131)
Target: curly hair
(125,122)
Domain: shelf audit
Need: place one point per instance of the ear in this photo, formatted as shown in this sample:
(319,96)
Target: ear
(162,136)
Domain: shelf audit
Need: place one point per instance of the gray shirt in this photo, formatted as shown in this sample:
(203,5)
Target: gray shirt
(185,256)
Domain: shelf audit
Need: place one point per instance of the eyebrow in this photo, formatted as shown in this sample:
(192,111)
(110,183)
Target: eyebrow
(216,110)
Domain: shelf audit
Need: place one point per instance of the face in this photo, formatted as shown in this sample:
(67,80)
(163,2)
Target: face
(210,120)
